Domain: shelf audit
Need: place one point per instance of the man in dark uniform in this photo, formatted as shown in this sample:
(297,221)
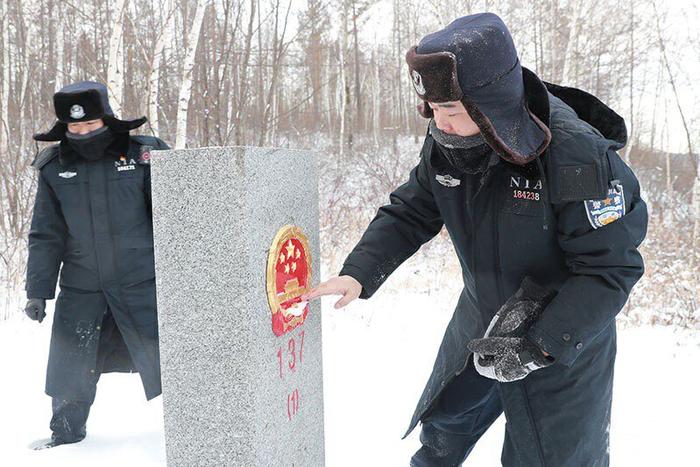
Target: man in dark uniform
(92,219)
(546,220)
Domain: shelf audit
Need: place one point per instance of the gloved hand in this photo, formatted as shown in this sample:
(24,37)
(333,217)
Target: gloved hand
(35,309)
(507,359)
(512,321)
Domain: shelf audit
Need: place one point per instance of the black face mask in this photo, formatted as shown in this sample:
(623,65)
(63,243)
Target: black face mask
(468,160)
(468,154)
(91,146)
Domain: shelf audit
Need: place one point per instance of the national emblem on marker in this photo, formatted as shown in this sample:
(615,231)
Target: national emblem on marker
(288,278)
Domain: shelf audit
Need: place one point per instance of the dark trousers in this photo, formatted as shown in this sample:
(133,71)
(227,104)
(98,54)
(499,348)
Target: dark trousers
(70,416)
(467,407)
(68,420)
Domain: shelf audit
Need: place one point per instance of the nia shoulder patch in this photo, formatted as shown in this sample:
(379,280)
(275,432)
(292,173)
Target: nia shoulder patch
(601,212)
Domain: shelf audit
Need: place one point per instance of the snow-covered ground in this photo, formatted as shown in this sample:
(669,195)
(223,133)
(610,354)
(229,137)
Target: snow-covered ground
(377,355)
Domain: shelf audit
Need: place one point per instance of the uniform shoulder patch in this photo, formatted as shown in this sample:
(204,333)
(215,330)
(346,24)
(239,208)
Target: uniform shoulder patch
(579,182)
(577,168)
(44,157)
(601,212)
(145,155)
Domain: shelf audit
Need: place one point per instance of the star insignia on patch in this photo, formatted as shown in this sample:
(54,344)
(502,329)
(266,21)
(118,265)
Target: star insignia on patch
(608,210)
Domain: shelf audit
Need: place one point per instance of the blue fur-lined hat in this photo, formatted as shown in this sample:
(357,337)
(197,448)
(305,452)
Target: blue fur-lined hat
(473,60)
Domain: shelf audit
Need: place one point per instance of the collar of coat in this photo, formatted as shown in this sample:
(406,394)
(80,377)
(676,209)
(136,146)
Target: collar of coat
(120,146)
(587,107)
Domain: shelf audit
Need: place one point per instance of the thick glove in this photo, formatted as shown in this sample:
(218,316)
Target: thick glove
(508,358)
(512,321)
(521,310)
(35,309)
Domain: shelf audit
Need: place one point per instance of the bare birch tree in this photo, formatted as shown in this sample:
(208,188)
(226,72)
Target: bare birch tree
(162,43)
(186,80)
(115,69)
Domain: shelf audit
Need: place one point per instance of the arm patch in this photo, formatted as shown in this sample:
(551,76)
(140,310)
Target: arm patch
(579,182)
(577,169)
(145,155)
(609,209)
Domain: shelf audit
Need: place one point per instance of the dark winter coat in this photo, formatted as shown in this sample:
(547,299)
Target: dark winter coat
(93,221)
(515,221)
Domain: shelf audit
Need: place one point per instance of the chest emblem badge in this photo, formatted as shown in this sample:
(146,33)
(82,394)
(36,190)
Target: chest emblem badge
(67,174)
(448,180)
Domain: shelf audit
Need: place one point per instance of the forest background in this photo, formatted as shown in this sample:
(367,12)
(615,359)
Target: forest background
(330,75)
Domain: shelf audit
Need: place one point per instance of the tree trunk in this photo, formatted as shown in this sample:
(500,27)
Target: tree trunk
(186,81)
(695,199)
(569,56)
(60,78)
(243,78)
(358,94)
(115,71)
(344,87)
(376,97)
(164,40)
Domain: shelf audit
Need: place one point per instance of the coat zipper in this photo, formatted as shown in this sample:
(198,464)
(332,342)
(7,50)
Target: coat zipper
(482,183)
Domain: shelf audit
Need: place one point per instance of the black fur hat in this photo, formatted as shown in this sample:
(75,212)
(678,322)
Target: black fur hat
(81,102)
(474,61)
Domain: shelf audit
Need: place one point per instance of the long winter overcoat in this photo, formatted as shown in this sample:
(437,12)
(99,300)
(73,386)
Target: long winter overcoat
(92,219)
(543,219)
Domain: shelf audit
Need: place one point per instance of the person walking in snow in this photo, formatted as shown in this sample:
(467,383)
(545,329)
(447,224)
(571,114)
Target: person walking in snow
(92,219)
(546,220)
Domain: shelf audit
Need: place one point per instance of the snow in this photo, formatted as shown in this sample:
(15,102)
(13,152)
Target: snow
(377,356)
(123,428)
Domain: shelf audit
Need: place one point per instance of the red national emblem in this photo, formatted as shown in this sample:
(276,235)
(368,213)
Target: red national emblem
(288,277)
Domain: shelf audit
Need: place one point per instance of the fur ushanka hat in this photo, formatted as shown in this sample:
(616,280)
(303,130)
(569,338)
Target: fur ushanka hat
(82,102)
(473,60)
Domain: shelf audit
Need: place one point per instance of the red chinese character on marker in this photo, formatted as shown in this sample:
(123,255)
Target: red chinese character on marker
(288,277)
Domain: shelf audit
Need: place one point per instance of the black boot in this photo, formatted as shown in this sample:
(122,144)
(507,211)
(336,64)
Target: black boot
(67,423)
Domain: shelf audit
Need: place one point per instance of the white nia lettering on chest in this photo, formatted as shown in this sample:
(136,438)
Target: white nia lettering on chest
(525,183)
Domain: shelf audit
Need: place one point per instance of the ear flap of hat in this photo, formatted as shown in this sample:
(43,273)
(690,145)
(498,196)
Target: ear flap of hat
(501,147)
(56,133)
(434,75)
(123,126)
(536,96)
(424,110)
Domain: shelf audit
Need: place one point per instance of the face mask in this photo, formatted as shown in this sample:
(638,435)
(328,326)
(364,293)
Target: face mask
(471,161)
(91,146)
(468,154)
